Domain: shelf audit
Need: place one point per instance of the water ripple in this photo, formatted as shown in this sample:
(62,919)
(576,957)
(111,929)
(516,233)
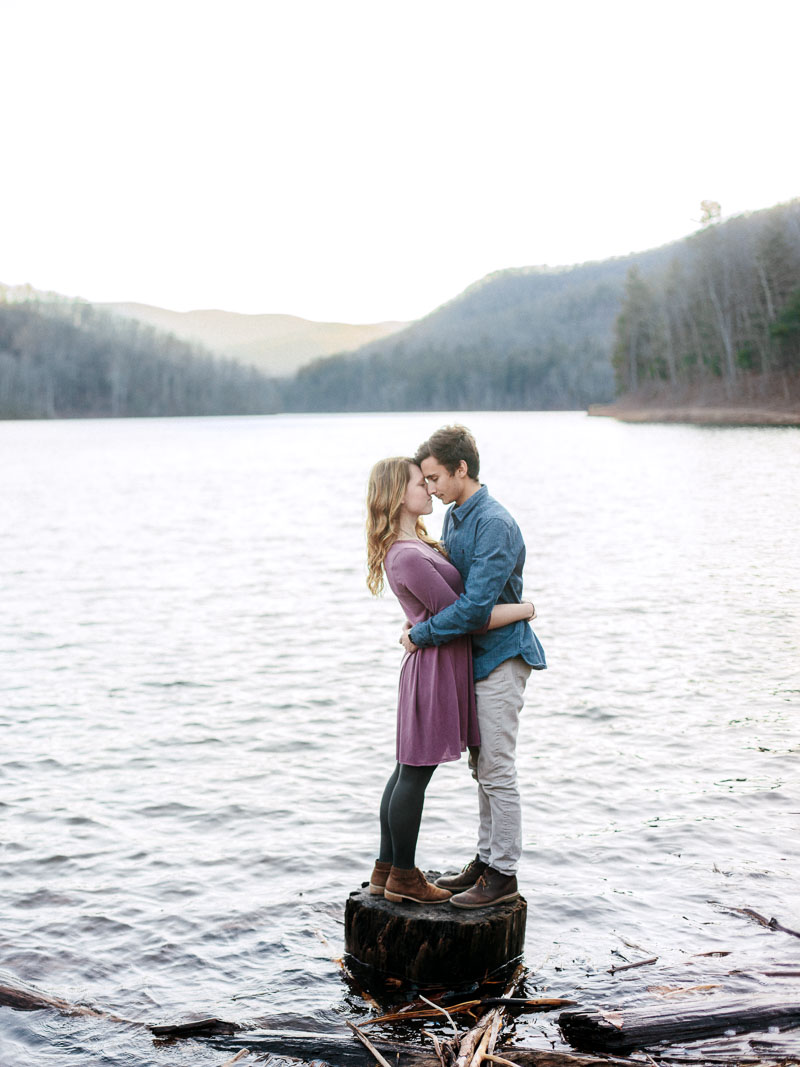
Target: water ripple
(198,713)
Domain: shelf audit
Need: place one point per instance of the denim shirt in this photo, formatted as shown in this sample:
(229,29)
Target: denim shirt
(485,544)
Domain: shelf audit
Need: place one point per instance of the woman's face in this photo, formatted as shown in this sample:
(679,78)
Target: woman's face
(417,500)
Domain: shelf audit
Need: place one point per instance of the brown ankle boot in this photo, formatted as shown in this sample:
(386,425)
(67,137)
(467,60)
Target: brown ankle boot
(491,888)
(377,880)
(466,879)
(412,884)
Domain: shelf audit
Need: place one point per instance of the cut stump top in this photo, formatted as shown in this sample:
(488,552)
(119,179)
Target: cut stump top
(433,944)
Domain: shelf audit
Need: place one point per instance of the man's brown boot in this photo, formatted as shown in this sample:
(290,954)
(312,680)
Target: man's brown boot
(412,884)
(469,876)
(491,888)
(377,880)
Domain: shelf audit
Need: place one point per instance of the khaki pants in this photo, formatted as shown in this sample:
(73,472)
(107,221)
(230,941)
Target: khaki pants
(500,697)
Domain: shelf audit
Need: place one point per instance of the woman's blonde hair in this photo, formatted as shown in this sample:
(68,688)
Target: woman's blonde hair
(386,488)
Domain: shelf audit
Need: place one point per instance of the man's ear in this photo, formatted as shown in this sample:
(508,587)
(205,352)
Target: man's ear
(462,469)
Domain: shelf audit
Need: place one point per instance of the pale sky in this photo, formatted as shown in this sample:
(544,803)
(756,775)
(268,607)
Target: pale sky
(360,160)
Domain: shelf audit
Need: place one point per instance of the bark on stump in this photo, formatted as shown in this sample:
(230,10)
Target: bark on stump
(432,944)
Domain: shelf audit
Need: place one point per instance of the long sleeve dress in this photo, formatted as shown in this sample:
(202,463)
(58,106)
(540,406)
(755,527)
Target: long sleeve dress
(436,716)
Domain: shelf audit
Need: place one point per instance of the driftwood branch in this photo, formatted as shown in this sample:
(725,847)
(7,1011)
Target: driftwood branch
(770,924)
(775,925)
(630,966)
(437,1048)
(239,1056)
(535,1003)
(524,1004)
(422,1013)
(483,1046)
(365,1041)
(474,1039)
(494,1030)
(439,1008)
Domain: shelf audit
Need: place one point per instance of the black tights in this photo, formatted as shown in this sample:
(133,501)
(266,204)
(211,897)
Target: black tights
(401,812)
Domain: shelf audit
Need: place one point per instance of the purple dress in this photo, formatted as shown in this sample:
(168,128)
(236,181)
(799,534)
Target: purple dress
(436,717)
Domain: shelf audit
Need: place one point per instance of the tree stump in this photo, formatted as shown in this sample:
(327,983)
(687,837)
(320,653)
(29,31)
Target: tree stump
(432,944)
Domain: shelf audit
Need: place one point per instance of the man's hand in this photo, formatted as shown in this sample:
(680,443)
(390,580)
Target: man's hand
(405,640)
(472,760)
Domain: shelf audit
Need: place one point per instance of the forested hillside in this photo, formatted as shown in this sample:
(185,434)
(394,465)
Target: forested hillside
(713,318)
(66,358)
(525,338)
(722,315)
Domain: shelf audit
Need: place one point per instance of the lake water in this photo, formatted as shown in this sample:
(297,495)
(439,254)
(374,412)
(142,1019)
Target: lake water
(198,697)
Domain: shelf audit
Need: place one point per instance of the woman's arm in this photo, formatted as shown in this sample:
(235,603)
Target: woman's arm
(505,614)
(421,579)
(502,615)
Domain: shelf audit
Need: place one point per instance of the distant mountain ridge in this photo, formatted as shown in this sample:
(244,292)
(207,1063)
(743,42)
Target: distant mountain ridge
(723,302)
(275,344)
(522,338)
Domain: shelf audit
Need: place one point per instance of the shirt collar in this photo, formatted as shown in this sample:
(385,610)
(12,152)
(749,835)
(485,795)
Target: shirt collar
(460,513)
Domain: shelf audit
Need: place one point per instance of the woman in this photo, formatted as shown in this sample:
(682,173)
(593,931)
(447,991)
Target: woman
(436,718)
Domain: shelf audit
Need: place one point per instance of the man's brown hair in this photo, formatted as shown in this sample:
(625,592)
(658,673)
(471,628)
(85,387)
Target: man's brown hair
(449,446)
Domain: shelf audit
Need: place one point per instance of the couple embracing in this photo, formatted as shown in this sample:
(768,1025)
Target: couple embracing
(469,651)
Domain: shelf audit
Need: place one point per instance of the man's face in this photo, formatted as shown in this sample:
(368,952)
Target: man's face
(442,484)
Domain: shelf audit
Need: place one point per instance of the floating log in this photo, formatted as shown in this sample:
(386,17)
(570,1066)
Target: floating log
(640,1027)
(432,944)
(344,1051)
(341,1049)
(23,997)
(335,1048)
(529,1057)
(30,999)
(194,1028)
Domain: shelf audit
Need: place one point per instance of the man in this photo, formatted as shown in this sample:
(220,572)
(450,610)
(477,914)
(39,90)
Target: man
(485,544)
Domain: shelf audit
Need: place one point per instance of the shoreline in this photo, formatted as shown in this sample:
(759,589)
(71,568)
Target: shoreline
(757,400)
(697,414)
